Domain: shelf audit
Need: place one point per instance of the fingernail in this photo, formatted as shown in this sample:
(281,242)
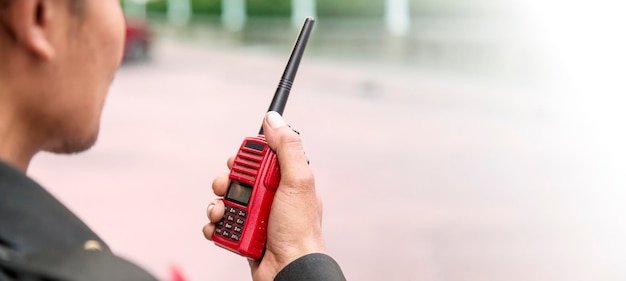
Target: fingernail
(275,120)
(208,210)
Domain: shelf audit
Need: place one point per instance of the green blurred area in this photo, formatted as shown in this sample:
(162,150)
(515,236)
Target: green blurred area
(335,8)
(472,37)
(350,8)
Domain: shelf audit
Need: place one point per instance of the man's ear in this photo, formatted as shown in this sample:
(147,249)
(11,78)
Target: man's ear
(27,20)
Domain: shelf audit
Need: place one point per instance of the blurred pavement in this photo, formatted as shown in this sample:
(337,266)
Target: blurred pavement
(425,176)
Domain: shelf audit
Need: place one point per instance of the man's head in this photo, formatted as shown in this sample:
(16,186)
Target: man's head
(57,60)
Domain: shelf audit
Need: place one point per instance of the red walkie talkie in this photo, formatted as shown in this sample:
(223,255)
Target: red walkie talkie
(255,175)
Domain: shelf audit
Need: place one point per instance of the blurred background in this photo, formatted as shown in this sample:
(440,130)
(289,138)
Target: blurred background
(451,139)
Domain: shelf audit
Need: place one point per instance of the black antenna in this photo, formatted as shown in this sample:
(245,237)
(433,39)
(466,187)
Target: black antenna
(284,87)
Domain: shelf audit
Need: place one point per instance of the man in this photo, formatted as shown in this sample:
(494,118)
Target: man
(57,60)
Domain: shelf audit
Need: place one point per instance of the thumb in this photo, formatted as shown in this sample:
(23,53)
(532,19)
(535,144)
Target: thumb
(294,169)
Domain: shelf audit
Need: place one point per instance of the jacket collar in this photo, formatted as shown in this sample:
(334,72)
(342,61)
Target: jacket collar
(32,220)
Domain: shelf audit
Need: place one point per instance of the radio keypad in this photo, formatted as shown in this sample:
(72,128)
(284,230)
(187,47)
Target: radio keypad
(232,223)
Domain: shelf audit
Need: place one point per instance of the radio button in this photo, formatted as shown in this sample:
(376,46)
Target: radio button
(235,237)
(272,179)
(262,231)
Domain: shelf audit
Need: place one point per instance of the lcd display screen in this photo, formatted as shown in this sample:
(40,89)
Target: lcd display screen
(239,192)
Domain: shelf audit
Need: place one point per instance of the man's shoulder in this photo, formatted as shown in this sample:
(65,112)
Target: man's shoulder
(41,239)
(74,265)
(33,219)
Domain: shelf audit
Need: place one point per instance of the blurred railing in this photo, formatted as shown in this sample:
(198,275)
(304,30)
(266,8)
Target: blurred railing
(463,45)
(400,32)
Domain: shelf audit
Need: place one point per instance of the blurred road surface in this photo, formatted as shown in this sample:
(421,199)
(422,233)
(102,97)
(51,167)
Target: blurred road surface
(424,176)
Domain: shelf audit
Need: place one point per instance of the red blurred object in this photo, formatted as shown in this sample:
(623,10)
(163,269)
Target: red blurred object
(176,274)
(138,40)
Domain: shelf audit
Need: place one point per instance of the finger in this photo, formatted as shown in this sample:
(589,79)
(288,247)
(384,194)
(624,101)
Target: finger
(215,211)
(220,184)
(230,161)
(208,230)
(289,150)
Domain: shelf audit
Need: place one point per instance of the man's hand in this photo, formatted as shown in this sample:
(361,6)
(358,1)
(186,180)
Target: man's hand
(295,223)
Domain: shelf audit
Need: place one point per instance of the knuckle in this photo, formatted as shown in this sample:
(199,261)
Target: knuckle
(217,212)
(303,180)
(207,230)
(219,184)
(289,139)
(230,161)
(215,184)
